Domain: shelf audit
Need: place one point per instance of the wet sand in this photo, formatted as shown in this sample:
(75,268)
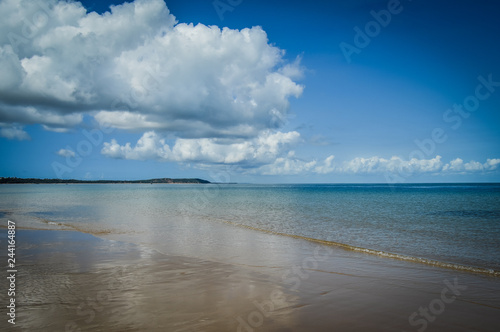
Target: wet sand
(71,281)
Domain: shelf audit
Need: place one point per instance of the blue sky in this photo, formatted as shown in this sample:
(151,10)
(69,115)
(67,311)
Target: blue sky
(251,91)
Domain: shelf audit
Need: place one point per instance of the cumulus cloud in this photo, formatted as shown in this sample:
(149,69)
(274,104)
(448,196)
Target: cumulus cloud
(66,153)
(492,164)
(458,165)
(50,120)
(395,164)
(286,166)
(326,167)
(271,153)
(137,68)
(376,165)
(399,166)
(13,132)
(259,150)
(197,93)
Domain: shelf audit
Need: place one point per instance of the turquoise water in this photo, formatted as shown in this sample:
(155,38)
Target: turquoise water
(445,223)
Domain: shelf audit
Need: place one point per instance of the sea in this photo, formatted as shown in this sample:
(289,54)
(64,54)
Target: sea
(453,226)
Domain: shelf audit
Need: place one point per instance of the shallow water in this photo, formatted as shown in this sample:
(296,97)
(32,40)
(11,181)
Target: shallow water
(442,224)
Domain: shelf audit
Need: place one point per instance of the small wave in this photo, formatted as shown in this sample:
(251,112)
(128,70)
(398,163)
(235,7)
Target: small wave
(468,213)
(426,261)
(71,227)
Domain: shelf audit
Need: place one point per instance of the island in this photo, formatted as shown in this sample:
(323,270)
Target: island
(15,180)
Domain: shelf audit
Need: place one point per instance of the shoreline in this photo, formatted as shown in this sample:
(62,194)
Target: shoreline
(157,292)
(384,254)
(490,272)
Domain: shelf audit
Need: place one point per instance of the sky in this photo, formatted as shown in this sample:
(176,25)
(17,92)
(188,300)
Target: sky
(361,91)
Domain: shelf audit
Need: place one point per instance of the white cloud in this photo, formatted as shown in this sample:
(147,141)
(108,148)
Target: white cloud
(220,95)
(457,165)
(286,166)
(271,153)
(149,146)
(492,164)
(376,165)
(66,153)
(262,149)
(395,164)
(137,68)
(473,166)
(326,167)
(414,166)
(13,133)
(50,120)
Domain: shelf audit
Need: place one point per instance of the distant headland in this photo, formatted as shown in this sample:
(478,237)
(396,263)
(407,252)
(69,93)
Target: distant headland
(7,180)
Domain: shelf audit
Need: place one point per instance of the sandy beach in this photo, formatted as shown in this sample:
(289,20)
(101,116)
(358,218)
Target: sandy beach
(249,166)
(71,281)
